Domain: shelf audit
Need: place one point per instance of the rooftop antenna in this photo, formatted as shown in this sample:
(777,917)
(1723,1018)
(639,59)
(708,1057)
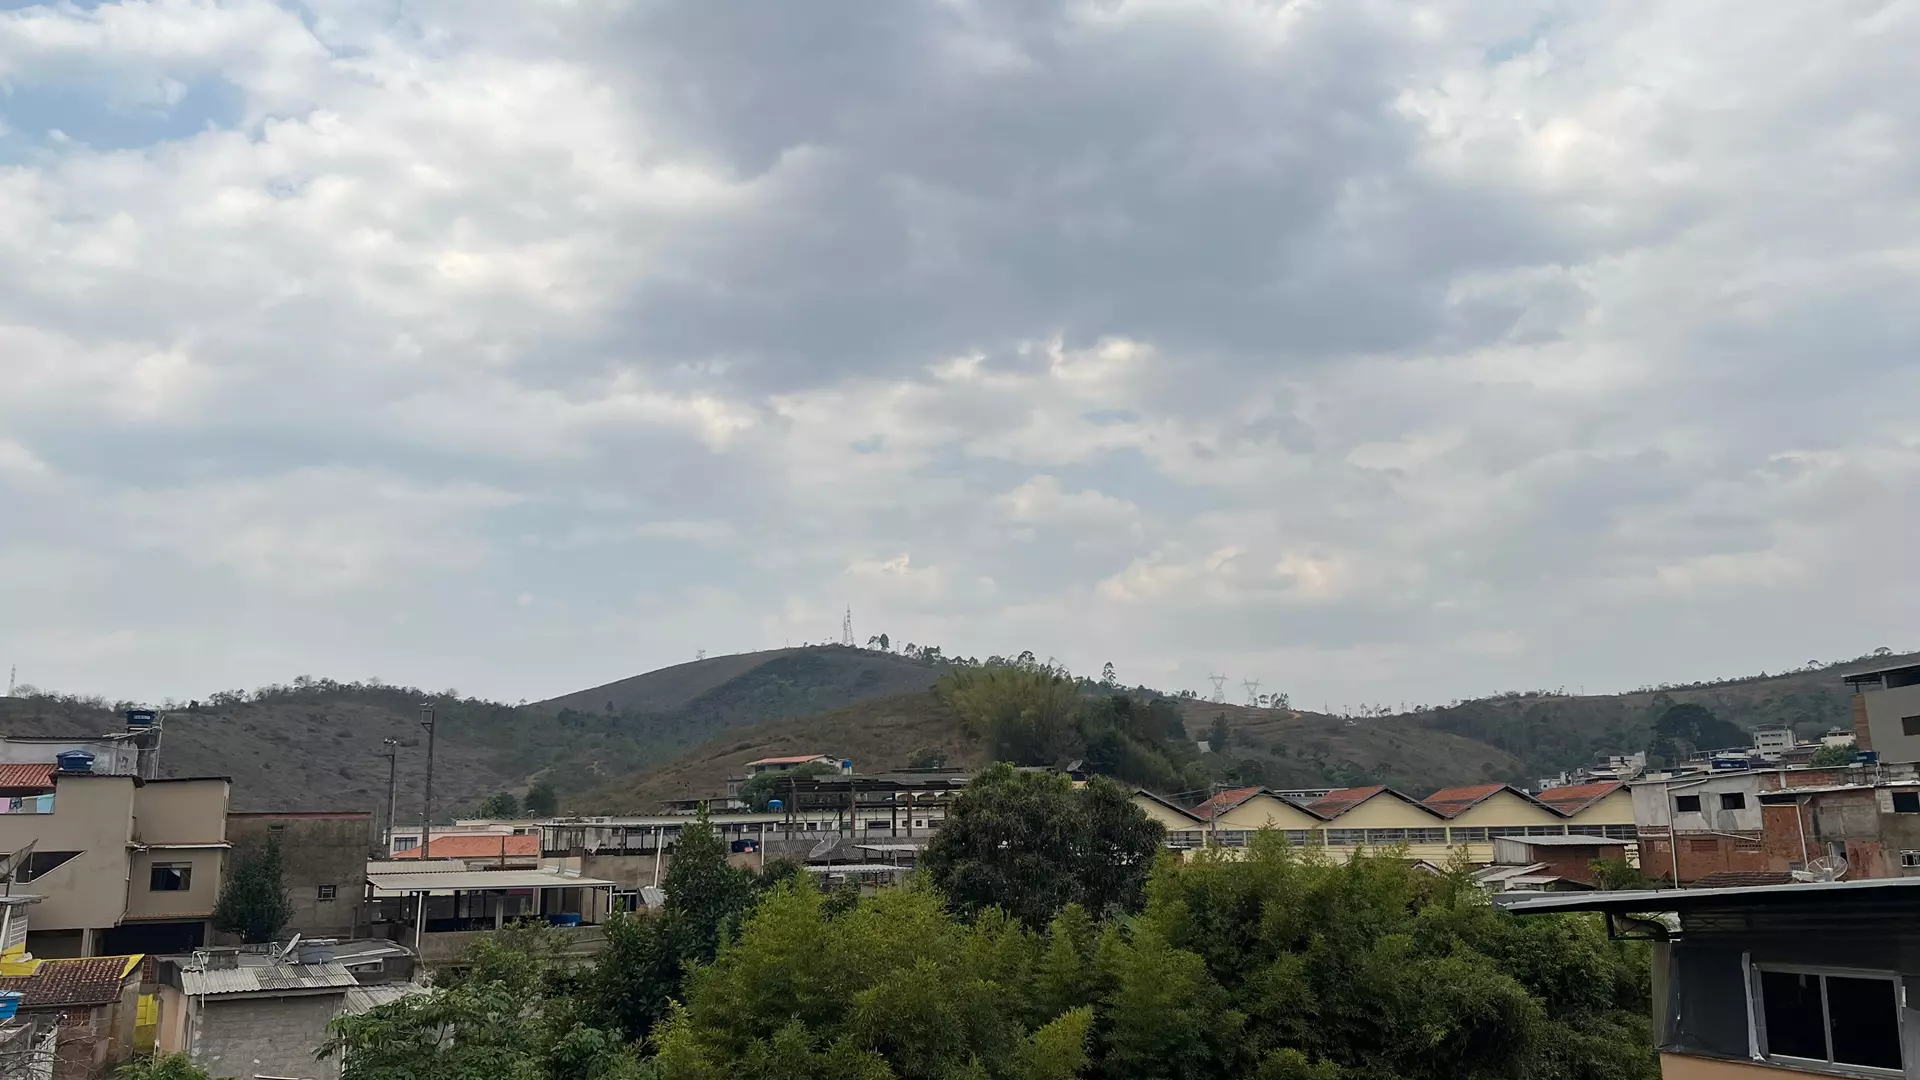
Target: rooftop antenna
(846,629)
(1253,691)
(1219,688)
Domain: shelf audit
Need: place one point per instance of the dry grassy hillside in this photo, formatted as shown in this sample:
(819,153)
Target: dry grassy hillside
(875,735)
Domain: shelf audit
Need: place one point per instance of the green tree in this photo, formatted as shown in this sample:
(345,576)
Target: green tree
(1616,874)
(927,757)
(169,1067)
(254,903)
(1030,844)
(1828,757)
(499,806)
(542,800)
(1219,735)
(1026,714)
(703,889)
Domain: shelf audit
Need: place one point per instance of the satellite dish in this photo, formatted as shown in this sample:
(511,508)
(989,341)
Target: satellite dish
(822,848)
(1824,868)
(12,864)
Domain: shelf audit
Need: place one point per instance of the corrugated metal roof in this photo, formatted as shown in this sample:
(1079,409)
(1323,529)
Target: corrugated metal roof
(1223,802)
(859,868)
(1563,841)
(362,998)
(1655,900)
(470,880)
(267,978)
(1573,798)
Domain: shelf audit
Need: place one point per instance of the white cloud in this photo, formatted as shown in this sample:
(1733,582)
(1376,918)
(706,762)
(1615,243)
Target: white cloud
(1427,349)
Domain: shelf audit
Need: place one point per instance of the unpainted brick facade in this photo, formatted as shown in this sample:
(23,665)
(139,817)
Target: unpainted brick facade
(325,855)
(267,1036)
(1700,854)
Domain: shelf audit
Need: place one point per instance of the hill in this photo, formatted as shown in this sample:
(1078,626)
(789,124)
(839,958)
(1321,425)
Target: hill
(316,744)
(1516,737)
(875,735)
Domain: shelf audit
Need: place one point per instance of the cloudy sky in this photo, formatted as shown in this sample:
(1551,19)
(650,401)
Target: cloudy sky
(1379,351)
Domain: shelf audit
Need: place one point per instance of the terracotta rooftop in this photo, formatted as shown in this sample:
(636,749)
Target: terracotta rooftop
(1733,879)
(1577,797)
(484,846)
(1223,802)
(796,759)
(1341,800)
(33,775)
(59,984)
(1454,801)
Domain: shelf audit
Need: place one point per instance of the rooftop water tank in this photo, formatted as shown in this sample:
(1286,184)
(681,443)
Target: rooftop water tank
(74,761)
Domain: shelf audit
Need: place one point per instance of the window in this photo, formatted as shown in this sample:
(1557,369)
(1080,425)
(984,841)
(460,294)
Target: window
(1704,847)
(1733,800)
(277,827)
(405,843)
(1910,725)
(1686,804)
(1507,830)
(1426,836)
(1839,1019)
(1586,830)
(1621,832)
(171,877)
(325,892)
(1910,858)
(1546,830)
(1468,835)
(1906,802)
(1346,837)
(1386,836)
(41,863)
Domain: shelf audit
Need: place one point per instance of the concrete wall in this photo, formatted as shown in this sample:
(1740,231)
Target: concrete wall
(181,811)
(265,1036)
(1655,803)
(93,815)
(317,849)
(1884,709)
(208,867)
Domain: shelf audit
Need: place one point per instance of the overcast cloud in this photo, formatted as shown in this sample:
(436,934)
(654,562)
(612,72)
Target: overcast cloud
(1379,351)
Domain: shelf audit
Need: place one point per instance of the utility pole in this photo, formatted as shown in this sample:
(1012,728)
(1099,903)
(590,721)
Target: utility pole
(426,812)
(393,790)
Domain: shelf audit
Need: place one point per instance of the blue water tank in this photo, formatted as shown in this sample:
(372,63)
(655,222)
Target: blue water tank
(10,1003)
(74,761)
(774,804)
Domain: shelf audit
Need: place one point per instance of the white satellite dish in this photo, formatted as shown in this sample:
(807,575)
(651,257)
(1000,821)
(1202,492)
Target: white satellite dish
(1824,868)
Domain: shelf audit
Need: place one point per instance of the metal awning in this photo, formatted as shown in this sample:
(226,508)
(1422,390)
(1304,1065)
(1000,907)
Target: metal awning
(1648,901)
(858,868)
(479,881)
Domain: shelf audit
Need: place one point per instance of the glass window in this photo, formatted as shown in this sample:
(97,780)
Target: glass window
(171,877)
(1386,836)
(1906,802)
(1546,830)
(1910,725)
(1585,830)
(1840,1019)
(1621,832)
(405,843)
(1733,800)
(1427,836)
(1346,837)
(1469,835)
(1686,804)
(1865,1022)
(326,892)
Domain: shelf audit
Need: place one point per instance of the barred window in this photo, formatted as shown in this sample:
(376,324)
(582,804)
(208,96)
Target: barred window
(1469,835)
(1346,837)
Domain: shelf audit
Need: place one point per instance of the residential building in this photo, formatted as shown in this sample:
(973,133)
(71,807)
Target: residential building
(439,907)
(251,1012)
(404,838)
(1837,737)
(518,848)
(124,865)
(1692,826)
(1886,711)
(791,761)
(1769,743)
(1760,982)
(1549,863)
(92,1005)
(324,856)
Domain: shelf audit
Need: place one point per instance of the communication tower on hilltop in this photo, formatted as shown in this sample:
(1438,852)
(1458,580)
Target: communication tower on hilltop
(1253,691)
(1219,688)
(846,629)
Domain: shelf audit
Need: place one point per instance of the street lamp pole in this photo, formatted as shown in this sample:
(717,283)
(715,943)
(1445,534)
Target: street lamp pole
(393,790)
(426,813)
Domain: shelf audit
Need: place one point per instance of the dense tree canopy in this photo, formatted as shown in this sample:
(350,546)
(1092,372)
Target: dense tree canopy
(1030,843)
(1268,962)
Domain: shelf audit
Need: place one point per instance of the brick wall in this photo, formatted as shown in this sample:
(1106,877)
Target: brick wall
(316,850)
(270,1036)
(1700,854)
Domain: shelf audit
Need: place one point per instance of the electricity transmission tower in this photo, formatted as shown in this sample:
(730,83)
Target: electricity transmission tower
(1253,691)
(1219,688)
